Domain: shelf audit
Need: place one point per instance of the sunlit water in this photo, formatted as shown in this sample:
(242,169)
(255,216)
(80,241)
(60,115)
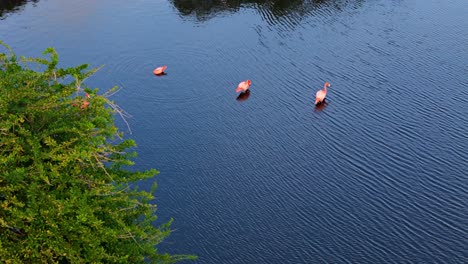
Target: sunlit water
(378,174)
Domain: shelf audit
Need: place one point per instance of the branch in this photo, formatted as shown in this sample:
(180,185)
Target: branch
(122,114)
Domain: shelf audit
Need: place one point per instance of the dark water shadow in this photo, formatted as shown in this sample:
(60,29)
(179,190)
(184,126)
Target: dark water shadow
(243,96)
(272,11)
(161,74)
(12,6)
(321,106)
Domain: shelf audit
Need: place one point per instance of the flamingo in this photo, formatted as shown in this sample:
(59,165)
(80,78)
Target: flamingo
(321,94)
(160,70)
(84,105)
(243,86)
(85,102)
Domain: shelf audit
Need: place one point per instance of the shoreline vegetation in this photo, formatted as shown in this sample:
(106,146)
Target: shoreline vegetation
(66,194)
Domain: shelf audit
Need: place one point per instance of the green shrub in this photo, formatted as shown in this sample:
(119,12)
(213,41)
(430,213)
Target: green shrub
(66,195)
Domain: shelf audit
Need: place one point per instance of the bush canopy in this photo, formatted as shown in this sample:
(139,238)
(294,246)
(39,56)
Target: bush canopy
(66,193)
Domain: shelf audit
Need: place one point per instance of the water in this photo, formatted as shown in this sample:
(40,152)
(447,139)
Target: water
(378,174)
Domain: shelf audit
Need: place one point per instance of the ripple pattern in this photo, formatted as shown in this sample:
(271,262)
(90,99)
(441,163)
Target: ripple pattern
(376,175)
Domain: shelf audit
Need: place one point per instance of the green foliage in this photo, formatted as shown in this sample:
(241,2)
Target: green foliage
(65,193)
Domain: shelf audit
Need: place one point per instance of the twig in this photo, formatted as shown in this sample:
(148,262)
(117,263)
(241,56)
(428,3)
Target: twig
(122,114)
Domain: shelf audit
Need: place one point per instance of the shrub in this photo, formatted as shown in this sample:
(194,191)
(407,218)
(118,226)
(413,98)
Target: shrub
(66,193)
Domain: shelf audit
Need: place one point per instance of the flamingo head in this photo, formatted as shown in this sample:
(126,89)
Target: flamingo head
(327,84)
(248,82)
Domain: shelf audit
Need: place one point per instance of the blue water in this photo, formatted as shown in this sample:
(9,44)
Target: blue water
(378,174)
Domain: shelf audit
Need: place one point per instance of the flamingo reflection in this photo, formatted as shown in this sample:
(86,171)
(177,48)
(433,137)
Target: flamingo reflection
(320,107)
(243,96)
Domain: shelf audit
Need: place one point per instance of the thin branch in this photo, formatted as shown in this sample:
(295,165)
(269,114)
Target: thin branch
(103,167)
(92,72)
(114,193)
(122,114)
(109,93)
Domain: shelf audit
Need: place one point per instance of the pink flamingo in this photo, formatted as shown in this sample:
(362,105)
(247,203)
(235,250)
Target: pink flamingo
(243,86)
(321,94)
(160,70)
(85,102)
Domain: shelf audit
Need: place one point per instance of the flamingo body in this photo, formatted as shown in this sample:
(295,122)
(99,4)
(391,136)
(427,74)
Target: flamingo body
(85,102)
(243,86)
(160,70)
(321,94)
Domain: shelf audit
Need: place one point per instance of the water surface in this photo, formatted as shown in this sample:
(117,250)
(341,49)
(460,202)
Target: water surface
(378,174)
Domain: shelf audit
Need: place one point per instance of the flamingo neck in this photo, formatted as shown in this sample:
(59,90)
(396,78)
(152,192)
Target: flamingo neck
(325,88)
